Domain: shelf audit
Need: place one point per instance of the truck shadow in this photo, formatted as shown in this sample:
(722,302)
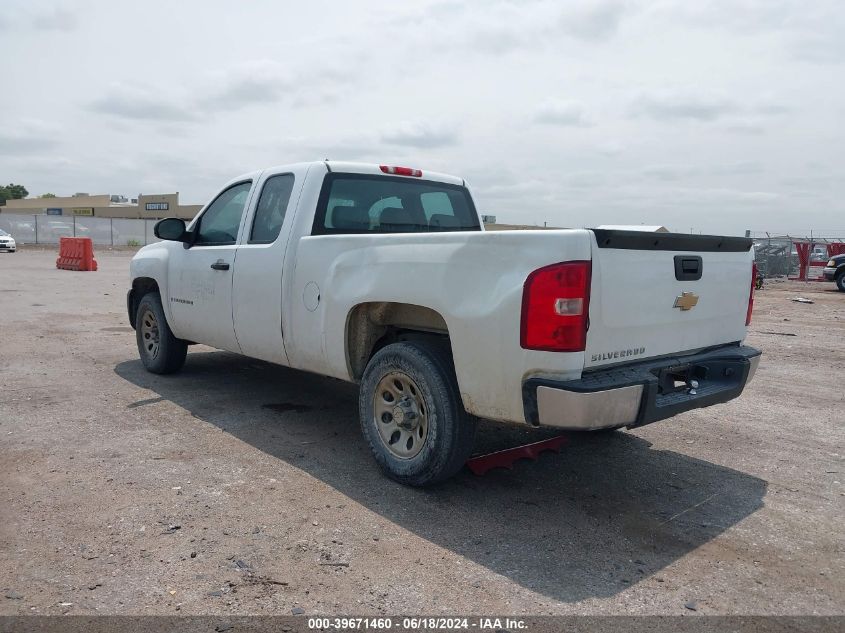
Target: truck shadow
(606,513)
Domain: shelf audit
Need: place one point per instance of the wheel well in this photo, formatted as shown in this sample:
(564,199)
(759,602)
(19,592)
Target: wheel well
(143,285)
(140,287)
(371,326)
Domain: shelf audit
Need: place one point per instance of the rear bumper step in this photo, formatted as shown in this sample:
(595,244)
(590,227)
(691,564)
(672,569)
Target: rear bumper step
(640,393)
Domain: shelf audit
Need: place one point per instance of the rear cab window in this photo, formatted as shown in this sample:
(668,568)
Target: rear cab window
(364,203)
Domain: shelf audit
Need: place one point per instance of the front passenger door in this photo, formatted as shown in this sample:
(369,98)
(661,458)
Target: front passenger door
(201,274)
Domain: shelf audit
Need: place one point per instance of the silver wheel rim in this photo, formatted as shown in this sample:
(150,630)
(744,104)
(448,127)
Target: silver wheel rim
(400,415)
(150,338)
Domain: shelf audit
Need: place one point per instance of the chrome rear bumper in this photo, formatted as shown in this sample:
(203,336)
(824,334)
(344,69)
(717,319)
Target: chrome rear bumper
(640,393)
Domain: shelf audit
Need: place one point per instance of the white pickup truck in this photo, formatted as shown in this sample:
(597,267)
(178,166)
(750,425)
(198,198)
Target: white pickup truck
(385,277)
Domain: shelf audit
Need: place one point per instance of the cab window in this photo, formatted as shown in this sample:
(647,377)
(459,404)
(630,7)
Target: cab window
(218,226)
(271,209)
(363,203)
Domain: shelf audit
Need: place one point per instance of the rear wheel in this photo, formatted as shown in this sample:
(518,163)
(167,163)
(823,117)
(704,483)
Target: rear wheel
(160,351)
(412,415)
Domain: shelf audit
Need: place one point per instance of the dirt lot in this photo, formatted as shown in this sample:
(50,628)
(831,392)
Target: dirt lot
(243,488)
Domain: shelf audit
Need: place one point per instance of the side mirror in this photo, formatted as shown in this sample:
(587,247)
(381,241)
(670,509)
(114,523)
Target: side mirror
(171,229)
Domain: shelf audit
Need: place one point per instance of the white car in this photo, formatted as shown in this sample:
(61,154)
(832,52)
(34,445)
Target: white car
(385,277)
(7,242)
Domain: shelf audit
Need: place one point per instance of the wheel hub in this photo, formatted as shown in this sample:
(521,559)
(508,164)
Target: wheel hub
(406,414)
(400,415)
(150,334)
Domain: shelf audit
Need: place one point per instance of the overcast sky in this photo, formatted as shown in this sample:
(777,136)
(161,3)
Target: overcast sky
(712,116)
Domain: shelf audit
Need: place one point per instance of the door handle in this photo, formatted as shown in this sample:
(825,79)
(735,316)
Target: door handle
(220,265)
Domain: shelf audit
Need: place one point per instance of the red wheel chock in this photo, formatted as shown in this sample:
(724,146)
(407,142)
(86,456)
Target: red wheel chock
(506,458)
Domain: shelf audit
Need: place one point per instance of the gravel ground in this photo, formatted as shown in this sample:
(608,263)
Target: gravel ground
(238,487)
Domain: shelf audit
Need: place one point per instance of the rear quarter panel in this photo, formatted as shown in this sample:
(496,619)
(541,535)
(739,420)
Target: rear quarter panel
(474,280)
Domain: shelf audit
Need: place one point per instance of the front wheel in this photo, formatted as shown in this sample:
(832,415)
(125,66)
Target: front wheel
(840,281)
(160,351)
(412,415)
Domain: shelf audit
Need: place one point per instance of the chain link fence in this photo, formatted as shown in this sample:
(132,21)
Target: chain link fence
(777,255)
(47,229)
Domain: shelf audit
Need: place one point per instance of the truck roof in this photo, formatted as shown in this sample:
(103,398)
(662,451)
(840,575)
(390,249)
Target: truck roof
(356,168)
(376,169)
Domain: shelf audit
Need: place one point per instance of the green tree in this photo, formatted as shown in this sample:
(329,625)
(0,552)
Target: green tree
(12,192)
(47,195)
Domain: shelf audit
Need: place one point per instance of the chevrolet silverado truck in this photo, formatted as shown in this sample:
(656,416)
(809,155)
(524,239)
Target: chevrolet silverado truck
(835,271)
(384,276)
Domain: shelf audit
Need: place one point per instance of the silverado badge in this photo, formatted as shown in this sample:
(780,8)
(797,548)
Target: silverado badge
(686,301)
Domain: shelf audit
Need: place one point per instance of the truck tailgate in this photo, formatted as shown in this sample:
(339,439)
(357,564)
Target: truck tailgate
(654,294)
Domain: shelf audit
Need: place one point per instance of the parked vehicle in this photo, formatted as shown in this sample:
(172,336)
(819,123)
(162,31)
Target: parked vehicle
(835,271)
(7,242)
(384,276)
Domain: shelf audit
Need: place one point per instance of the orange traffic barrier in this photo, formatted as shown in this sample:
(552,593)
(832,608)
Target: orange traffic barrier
(76,253)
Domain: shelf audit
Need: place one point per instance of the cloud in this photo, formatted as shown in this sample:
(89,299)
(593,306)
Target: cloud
(264,81)
(504,26)
(140,104)
(744,117)
(354,146)
(58,19)
(678,106)
(511,190)
(771,108)
(11,143)
(723,194)
(593,21)
(253,82)
(610,148)
(674,172)
(667,173)
(819,48)
(419,134)
(497,39)
(746,127)
(754,16)
(811,32)
(247,91)
(738,169)
(30,135)
(564,113)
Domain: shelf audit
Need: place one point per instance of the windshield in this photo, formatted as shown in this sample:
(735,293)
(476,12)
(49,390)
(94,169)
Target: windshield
(359,203)
(4,234)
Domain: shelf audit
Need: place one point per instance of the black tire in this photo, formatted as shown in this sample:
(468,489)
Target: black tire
(160,351)
(450,429)
(840,281)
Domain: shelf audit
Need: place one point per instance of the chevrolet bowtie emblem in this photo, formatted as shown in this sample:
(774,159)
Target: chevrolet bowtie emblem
(686,301)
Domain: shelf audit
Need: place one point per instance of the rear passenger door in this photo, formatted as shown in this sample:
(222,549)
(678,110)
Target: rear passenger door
(258,290)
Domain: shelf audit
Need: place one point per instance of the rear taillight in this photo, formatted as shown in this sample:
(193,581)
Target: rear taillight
(751,293)
(401,171)
(555,308)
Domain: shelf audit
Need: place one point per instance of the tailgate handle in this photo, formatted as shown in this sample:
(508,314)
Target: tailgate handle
(688,267)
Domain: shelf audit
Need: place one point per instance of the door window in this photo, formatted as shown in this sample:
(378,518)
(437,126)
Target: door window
(270,212)
(219,224)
